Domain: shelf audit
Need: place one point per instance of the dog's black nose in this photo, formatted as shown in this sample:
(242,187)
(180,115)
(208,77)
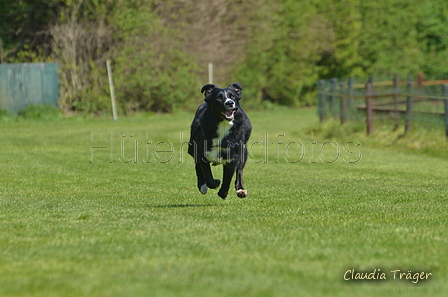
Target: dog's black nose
(229,103)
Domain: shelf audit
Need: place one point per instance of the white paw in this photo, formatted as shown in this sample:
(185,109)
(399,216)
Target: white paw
(203,189)
(241,193)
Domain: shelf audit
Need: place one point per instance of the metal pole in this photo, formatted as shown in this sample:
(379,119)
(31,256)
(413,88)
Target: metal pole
(334,85)
(369,111)
(343,113)
(409,107)
(445,90)
(396,91)
(350,91)
(112,91)
(210,73)
(322,98)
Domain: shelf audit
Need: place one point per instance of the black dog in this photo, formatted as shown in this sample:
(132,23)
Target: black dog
(219,133)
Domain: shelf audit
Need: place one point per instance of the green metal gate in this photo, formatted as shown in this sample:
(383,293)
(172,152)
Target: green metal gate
(28,83)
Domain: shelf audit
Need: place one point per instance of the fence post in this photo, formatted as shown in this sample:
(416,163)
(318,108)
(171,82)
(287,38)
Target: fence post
(445,91)
(420,80)
(321,98)
(369,111)
(409,106)
(343,112)
(396,115)
(334,84)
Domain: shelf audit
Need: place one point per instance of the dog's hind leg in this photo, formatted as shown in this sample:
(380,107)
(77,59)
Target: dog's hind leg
(240,191)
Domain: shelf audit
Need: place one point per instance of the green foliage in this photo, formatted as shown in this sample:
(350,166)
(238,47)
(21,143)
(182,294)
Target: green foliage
(278,51)
(429,139)
(45,112)
(23,25)
(391,45)
(5,115)
(151,71)
(404,36)
(343,22)
(278,65)
(432,36)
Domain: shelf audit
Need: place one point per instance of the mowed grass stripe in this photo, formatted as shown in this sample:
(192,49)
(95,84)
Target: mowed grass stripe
(74,228)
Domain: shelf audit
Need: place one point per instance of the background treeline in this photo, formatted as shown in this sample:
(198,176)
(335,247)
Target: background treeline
(276,49)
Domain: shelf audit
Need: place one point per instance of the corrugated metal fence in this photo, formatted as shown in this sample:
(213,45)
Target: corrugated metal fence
(28,83)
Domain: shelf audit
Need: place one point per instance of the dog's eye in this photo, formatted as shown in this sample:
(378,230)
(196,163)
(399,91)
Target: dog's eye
(232,96)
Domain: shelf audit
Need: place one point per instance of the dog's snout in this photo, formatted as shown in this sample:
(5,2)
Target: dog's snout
(229,103)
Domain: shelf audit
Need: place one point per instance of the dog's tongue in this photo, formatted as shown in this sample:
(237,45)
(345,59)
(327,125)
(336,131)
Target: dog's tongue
(229,113)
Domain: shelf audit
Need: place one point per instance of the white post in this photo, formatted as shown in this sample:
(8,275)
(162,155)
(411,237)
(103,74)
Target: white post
(210,73)
(112,91)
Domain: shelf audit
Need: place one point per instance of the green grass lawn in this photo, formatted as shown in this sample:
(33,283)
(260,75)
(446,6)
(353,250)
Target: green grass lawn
(92,207)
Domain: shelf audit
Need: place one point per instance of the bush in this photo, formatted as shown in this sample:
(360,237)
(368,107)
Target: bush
(44,112)
(5,114)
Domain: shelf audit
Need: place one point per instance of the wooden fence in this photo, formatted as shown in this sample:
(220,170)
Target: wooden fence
(395,98)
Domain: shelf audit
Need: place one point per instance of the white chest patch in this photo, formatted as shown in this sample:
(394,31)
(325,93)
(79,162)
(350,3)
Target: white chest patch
(224,129)
(215,155)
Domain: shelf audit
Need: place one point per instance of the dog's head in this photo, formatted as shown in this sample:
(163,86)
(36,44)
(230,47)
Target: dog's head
(224,103)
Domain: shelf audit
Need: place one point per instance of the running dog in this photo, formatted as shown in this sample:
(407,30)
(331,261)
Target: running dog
(219,134)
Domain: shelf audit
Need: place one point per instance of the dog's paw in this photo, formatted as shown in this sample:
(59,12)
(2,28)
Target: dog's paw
(241,193)
(203,189)
(222,194)
(214,184)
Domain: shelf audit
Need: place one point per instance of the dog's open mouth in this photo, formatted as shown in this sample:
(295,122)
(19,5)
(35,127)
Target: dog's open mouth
(228,114)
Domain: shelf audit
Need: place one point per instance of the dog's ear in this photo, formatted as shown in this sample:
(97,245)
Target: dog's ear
(237,88)
(207,89)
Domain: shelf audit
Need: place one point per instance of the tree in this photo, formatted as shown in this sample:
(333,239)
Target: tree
(278,51)
(24,24)
(282,59)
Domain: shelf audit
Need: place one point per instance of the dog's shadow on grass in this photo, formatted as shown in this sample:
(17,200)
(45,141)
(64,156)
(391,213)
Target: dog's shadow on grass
(181,205)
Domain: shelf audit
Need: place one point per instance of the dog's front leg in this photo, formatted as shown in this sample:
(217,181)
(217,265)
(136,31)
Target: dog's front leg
(228,171)
(208,176)
(202,186)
